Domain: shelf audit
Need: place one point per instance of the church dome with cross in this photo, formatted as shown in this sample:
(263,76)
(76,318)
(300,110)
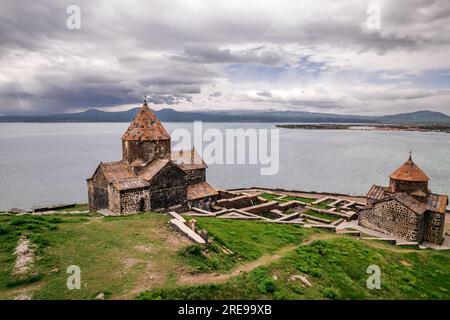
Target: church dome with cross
(409,178)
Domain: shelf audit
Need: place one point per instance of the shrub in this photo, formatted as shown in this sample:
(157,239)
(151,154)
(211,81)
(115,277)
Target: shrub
(21,282)
(269,285)
(4,229)
(265,284)
(39,240)
(330,293)
(194,250)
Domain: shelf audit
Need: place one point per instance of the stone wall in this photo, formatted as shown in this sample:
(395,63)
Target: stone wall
(132,201)
(434,227)
(145,150)
(408,186)
(238,202)
(195,176)
(114,204)
(97,191)
(223,194)
(393,218)
(168,188)
(262,208)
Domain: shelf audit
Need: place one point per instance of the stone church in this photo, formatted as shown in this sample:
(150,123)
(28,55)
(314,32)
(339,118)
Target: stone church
(406,208)
(149,176)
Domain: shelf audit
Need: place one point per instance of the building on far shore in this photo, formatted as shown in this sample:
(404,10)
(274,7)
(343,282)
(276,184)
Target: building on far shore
(406,209)
(150,176)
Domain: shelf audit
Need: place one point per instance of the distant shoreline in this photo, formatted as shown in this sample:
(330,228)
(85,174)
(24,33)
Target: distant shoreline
(170,115)
(382,127)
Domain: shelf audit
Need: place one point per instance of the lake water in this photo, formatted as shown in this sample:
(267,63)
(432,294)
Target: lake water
(43,164)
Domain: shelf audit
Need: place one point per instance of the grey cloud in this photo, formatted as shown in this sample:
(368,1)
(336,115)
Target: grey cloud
(169,50)
(211,54)
(264,94)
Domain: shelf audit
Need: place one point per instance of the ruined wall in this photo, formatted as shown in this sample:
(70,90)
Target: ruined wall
(145,150)
(168,188)
(393,218)
(132,201)
(434,227)
(238,202)
(262,208)
(223,194)
(195,176)
(204,204)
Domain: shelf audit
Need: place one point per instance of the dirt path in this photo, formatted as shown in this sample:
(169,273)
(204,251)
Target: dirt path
(267,259)
(247,267)
(154,273)
(24,257)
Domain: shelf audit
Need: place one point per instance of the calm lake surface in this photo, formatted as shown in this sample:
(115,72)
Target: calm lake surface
(43,164)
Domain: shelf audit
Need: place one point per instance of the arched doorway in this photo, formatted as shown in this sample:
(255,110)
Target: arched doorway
(142,205)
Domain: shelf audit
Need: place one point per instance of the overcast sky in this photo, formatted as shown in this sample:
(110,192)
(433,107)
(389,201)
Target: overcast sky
(314,55)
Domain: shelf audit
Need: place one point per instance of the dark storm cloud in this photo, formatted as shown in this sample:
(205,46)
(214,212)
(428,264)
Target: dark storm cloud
(210,54)
(172,50)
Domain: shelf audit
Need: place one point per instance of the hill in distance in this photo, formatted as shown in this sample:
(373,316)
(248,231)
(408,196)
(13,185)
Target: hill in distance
(170,115)
(417,117)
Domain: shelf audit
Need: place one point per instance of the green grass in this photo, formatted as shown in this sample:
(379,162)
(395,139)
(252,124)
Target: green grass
(248,240)
(337,270)
(317,214)
(271,196)
(104,248)
(302,199)
(323,205)
(107,251)
(37,229)
(121,256)
(253,285)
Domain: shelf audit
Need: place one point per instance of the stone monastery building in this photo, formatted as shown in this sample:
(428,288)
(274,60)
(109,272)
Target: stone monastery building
(149,176)
(406,209)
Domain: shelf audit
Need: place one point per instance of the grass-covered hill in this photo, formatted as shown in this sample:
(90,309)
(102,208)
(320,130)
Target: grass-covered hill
(141,257)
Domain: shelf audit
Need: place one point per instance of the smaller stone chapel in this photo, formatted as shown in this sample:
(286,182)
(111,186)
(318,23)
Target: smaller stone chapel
(406,209)
(150,176)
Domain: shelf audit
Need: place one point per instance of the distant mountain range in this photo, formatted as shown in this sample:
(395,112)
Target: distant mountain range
(170,115)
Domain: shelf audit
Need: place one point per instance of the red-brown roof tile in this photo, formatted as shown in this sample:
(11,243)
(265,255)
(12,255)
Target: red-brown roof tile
(200,190)
(134,183)
(376,192)
(409,171)
(188,160)
(410,202)
(116,171)
(145,127)
(153,168)
(437,202)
